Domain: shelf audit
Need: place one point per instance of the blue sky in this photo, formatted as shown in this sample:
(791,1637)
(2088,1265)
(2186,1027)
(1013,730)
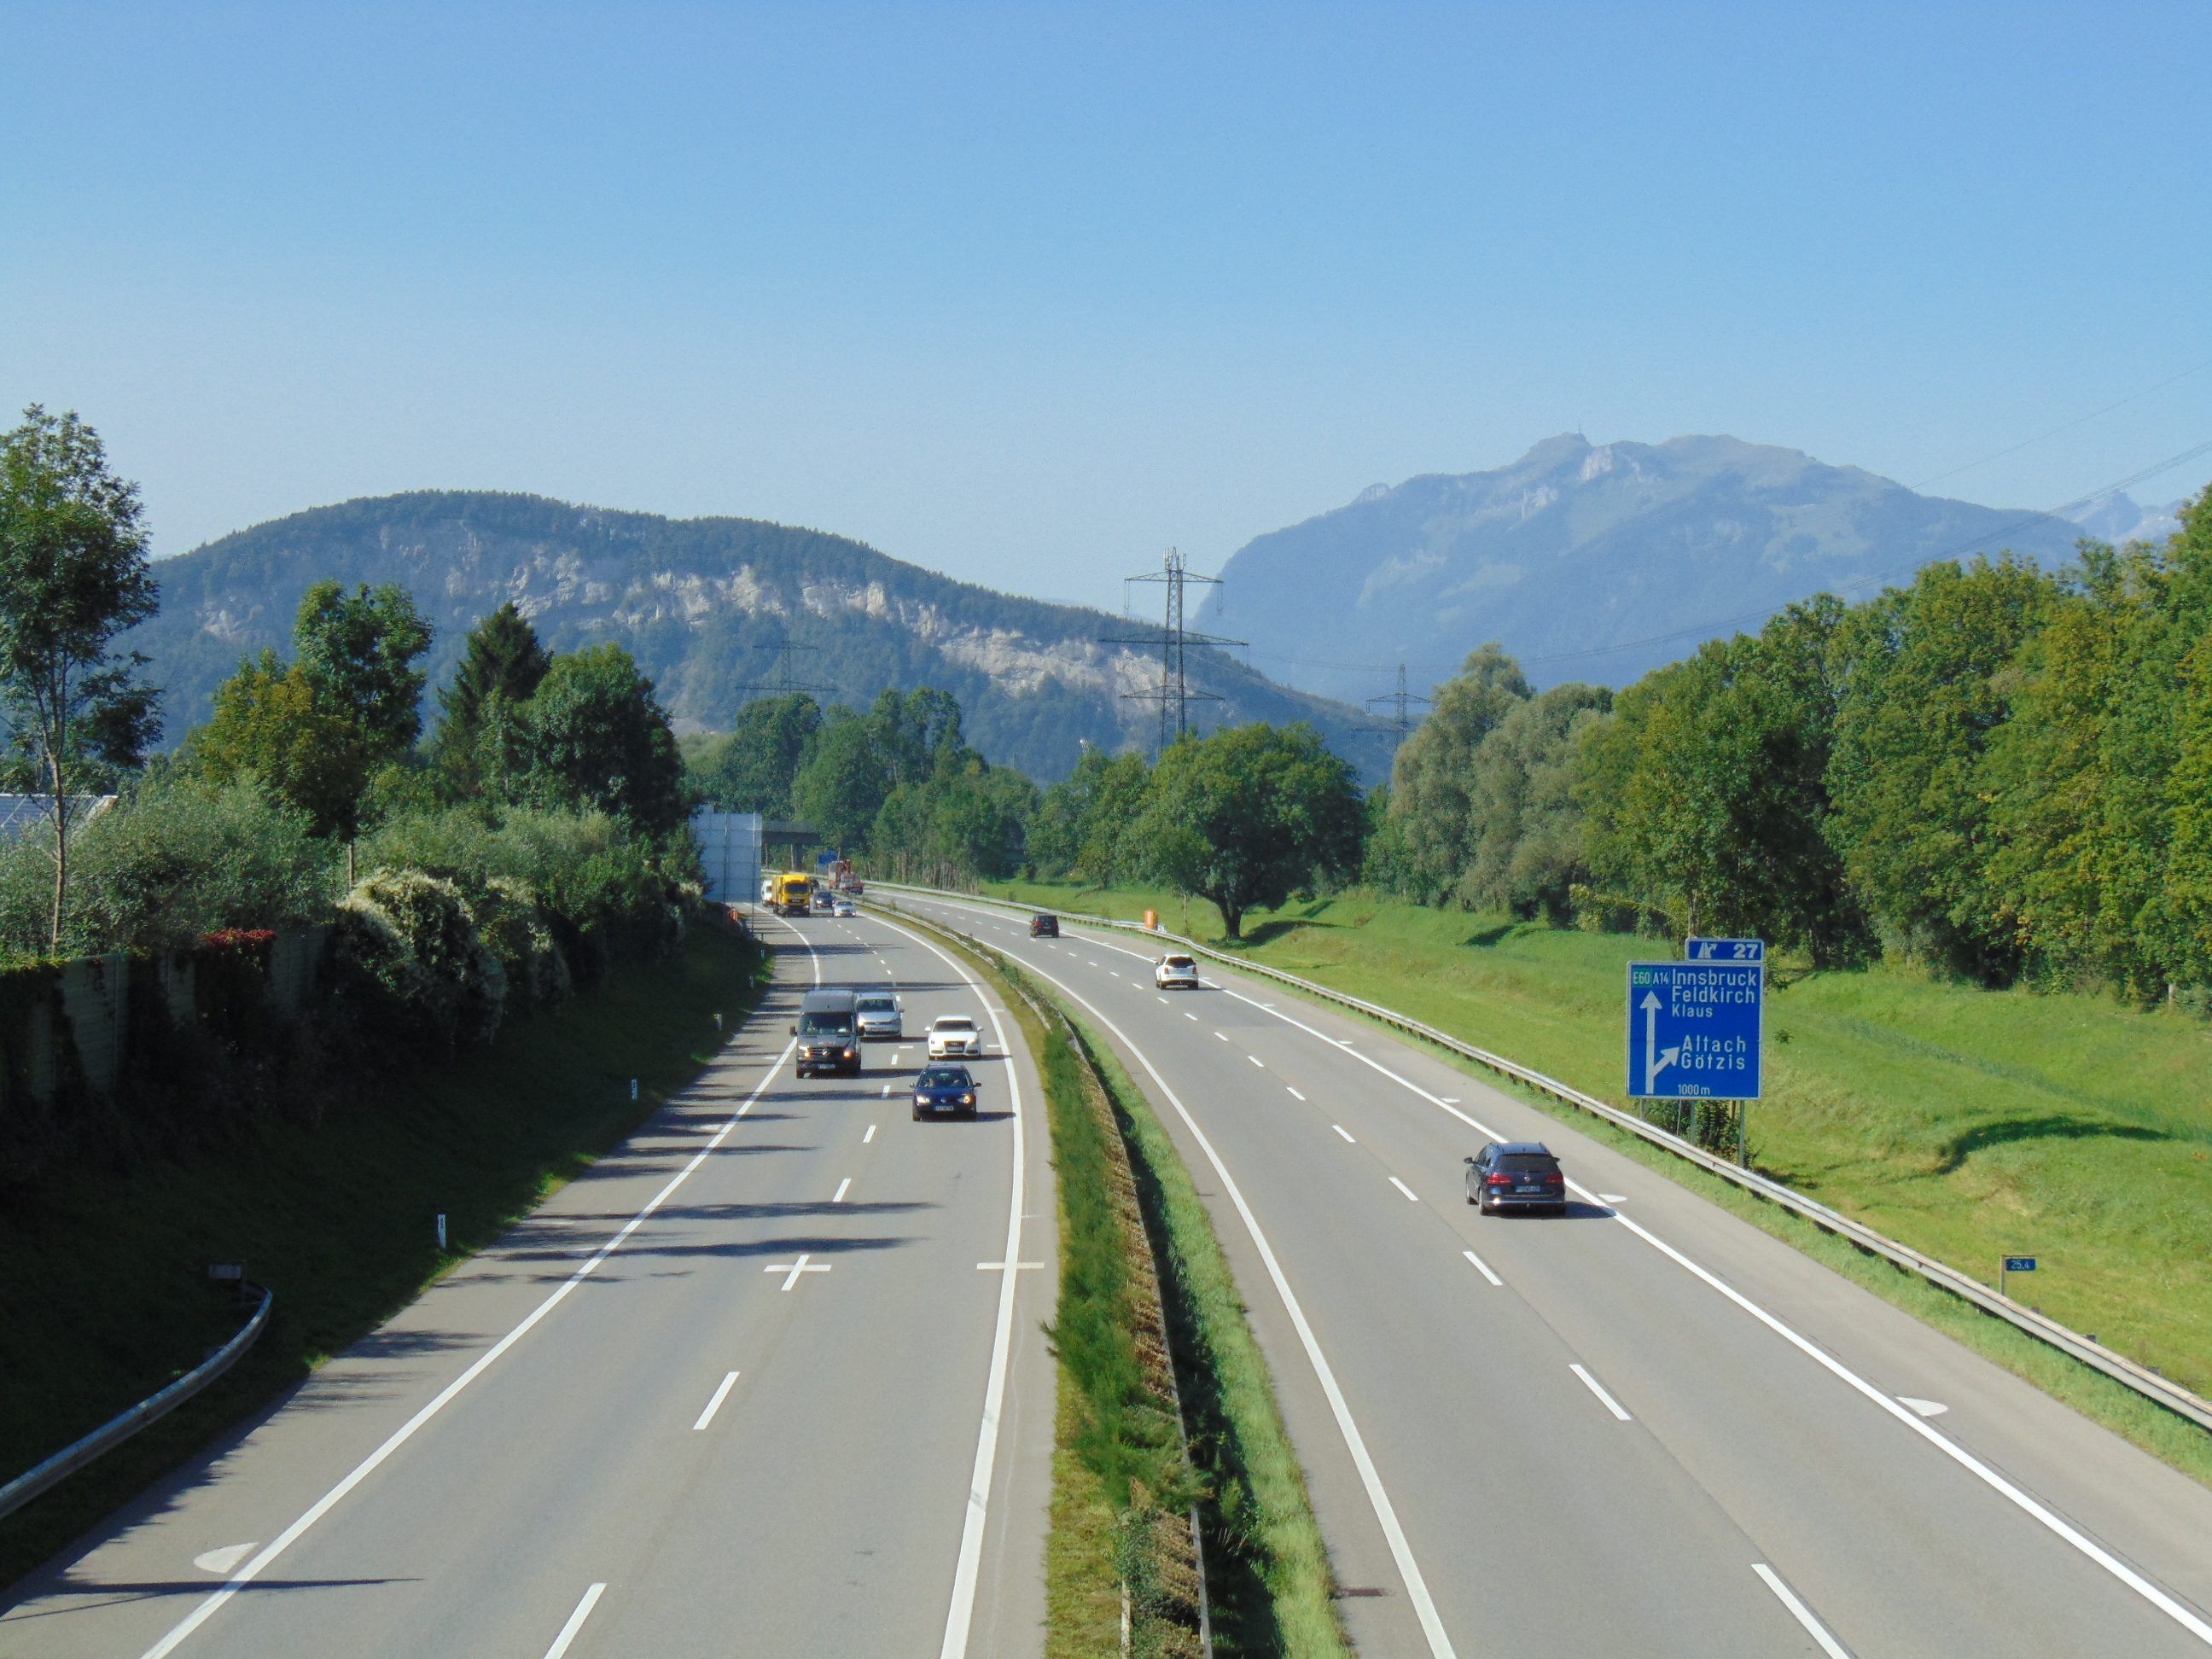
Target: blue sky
(1027,293)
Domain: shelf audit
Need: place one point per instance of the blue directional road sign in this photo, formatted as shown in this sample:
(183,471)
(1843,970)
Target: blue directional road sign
(1726,950)
(1693,1029)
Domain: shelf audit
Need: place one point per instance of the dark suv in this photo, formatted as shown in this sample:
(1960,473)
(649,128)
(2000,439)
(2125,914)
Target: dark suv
(1044,927)
(1515,1175)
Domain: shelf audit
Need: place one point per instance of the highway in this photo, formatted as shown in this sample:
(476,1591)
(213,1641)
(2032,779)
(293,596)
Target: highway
(767,1380)
(1646,1428)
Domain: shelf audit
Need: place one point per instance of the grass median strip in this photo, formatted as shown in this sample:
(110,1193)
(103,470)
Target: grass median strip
(104,1302)
(1165,1398)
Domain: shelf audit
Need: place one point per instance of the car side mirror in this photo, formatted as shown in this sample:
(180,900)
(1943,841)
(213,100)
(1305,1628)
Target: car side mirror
(795,1032)
(1468,1160)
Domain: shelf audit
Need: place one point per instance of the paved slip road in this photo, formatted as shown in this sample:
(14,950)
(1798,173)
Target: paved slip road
(541,1457)
(1648,1428)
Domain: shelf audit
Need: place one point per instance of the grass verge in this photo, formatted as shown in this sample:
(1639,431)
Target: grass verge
(1953,1119)
(104,1299)
(1130,1213)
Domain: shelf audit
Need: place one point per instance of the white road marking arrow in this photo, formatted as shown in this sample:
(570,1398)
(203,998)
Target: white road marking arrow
(1656,1059)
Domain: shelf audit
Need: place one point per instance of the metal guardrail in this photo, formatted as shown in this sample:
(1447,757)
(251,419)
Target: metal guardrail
(2141,1379)
(117,1429)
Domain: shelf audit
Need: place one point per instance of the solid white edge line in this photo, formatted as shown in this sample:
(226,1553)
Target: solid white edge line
(2029,1505)
(962,1614)
(1592,1384)
(1800,1612)
(716,1404)
(1401,1552)
(1483,1267)
(400,1436)
(1404,1189)
(1346,1133)
(575,1621)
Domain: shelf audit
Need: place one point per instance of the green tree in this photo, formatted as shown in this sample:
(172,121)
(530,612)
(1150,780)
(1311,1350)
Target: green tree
(1431,835)
(1922,693)
(753,768)
(591,737)
(1248,816)
(362,648)
(845,781)
(503,660)
(1084,822)
(1522,818)
(73,575)
(280,726)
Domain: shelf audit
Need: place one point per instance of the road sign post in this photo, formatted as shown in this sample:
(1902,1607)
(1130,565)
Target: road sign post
(1694,1028)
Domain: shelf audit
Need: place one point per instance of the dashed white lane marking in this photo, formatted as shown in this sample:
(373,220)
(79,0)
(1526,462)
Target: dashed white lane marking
(1800,1612)
(1591,1384)
(1482,1267)
(575,1621)
(1295,1095)
(843,1187)
(1222,1038)
(1346,1133)
(870,1136)
(1163,1002)
(716,1404)
(1925,1407)
(1255,1059)
(224,1559)
(1404,1189)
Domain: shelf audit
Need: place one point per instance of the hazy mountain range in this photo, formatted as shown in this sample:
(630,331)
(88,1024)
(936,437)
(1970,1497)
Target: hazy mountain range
(1589,562)
(706,605)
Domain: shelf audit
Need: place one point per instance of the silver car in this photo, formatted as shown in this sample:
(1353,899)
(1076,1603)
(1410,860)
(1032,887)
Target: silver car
(879,1014)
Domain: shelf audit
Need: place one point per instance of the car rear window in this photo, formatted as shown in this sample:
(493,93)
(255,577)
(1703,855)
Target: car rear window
(1181,961)
(1522,1162)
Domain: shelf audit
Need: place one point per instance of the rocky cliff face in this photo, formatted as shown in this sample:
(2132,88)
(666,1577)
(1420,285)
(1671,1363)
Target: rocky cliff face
(1589,561)
(706,605)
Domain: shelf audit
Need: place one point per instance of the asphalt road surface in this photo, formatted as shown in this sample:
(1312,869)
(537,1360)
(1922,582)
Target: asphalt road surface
(1645,1428)
(762,1382)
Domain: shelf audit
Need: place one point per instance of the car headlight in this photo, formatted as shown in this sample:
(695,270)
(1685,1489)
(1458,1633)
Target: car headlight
(967,1100)
(849,1053)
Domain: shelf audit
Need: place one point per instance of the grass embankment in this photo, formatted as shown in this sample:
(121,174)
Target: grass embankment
(1968,1123)
(104,1298)
(1148,1312)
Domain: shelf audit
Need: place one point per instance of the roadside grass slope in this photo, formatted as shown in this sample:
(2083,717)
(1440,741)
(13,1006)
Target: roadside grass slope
(104,1298)
(1970,1124)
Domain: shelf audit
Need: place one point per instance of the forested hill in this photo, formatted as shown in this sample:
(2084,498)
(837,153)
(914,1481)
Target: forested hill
(704,606)
(1594,563)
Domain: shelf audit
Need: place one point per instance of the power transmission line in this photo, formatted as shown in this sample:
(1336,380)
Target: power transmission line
(1173,641)
(1402,700)
(783,682)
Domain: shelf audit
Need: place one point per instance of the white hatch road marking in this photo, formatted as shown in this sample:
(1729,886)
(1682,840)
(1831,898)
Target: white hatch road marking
(400,1436)
(1404,1189)
(1800,1612)
(2027,1505)
(791,1270)
(1448,1100)
(1386,1514)
(716,1404)
(1612,1198)
(1482,1267)
(843,1187)
(1346,1133)
(224,1559)
(1295,1095)
(870,1136)
(962,1615)
(1255,1059)
(1925,1407)
(575,1621)
(1591,1384)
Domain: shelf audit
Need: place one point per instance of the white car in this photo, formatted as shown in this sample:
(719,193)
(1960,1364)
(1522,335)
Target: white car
(879,1014)
(842,906)
(954,1034)
(1174,973)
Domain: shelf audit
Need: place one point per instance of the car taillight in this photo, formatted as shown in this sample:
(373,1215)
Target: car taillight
(1499,1179)
(1555,1179)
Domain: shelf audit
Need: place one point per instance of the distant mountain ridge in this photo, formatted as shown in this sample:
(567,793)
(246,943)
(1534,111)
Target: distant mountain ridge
(705,605)
(1591,561)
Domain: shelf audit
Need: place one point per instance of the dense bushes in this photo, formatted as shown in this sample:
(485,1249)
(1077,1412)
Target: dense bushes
(409,965)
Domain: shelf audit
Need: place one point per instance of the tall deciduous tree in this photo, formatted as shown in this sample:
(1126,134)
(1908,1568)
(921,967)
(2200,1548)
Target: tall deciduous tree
(1248,816)
(502,659)
(73,575)
(594,735)
(752,770)
(363,648)
(1430,833)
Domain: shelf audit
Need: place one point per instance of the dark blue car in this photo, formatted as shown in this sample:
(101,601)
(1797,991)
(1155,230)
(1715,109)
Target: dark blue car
(944,1091)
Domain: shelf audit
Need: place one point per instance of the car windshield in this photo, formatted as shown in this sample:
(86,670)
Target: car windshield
(825,1024)
(874,1004)
(944,1077)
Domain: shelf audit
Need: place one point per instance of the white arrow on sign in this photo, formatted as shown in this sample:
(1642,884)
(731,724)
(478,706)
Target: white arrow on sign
(1655,1059)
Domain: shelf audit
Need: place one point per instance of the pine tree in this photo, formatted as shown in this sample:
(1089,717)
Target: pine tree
(503,660)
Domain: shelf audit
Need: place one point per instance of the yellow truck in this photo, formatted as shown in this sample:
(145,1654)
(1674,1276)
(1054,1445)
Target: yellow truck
(794,894)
